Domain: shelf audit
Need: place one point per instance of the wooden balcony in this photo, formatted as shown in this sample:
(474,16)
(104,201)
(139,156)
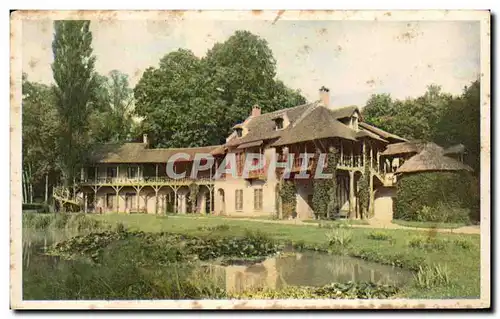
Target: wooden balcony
(143,181)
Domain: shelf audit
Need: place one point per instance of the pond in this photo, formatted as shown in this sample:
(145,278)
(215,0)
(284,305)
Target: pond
(307,268)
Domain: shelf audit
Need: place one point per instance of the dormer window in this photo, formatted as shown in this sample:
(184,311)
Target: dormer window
(239,132)
(278,123)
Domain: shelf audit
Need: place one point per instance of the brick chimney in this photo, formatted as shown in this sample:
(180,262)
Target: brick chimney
(255,111)
(324,96)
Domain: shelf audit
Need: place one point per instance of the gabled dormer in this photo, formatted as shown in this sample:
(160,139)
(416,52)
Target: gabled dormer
(281,121)
(240,130)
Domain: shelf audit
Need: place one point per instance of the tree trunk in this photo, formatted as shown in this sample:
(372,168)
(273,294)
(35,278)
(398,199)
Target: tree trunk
(46,188)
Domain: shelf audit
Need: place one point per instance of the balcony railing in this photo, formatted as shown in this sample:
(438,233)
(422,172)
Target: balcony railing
(142,180)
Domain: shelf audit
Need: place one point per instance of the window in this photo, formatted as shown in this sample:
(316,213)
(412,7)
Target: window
(257,199)
(239,199)
(279,123)
(132,172)
(110,199)
(111,172)
(239,132)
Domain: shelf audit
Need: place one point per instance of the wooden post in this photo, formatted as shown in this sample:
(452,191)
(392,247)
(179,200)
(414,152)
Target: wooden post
(364,153)
(378,161)
(371,208)
(85,202)
(175,199)
(352,208)
(46,188)
(211,188)
(156,174)
(117,171)
(371,155)
(95,199)
(352,155)
(341,153)
(96,173)
(117,199)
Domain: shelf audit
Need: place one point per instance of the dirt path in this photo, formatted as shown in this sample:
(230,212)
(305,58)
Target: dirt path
(375,224)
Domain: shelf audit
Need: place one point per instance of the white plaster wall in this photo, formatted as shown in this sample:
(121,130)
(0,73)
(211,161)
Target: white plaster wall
(383,203)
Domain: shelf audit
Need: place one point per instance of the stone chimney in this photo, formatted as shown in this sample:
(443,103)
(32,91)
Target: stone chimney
(324,96)
(145,139)
(255,111)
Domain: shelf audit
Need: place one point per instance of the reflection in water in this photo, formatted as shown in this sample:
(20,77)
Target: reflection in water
(307,269)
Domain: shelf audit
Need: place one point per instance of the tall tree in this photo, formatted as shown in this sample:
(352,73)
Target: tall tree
(111,117)
(73,71)
(188,101)
(461,122)
(412,118)
(39,133)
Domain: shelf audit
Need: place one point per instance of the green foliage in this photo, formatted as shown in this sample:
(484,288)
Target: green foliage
(325,203)
(111,117)
(379,235)
(428,243)
(463,243)
(339,240)
(222,227)
(61,221)
(188,101)
(73,71)
(438,196)
(164,247)
(432,276)
(434,116)
(194,189)
(460,123)
(287,192)
(349,290)
(364,191)
(39,135)
(36,207)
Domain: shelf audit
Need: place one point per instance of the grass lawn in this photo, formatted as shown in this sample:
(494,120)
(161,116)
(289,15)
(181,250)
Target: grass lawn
(333,222)
(428,224)
(460,254)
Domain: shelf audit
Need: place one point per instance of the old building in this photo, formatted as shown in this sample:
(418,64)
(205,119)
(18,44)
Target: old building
(132,177)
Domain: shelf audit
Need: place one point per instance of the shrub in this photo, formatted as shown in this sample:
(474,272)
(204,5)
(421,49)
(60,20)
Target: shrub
(222,227)
(438,196)
(339,239)
(379,235)
(36,207)
(463,243)
(428,243)
(432,276)
(349,290)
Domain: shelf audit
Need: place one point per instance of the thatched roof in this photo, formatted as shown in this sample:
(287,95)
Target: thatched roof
(411,147)
(366,133)
(262,127)
(455,149)
(139,153)
(345,111)
(320,123)
(386,135)
(431,158)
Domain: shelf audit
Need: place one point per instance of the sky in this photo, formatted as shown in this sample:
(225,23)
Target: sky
(354,59)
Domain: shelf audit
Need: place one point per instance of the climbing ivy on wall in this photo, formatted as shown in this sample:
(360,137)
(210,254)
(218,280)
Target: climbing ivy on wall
(288,198)
(364,192)
(325,202)
(193,194)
